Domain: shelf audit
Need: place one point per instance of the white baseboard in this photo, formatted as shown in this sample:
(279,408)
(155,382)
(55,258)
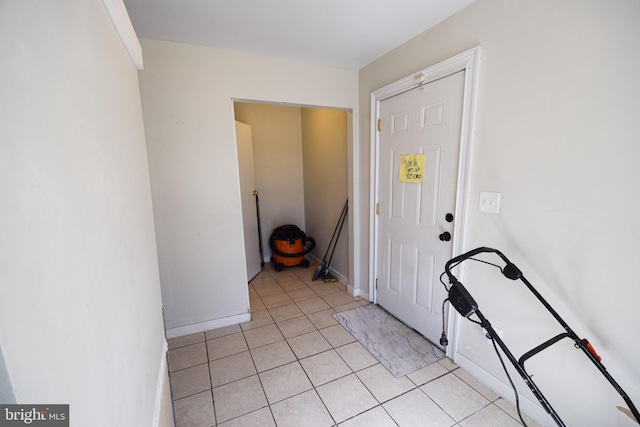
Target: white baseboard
(362,293)
(528,406)
(208,325)
(335,273)
(344,280)
(163,411)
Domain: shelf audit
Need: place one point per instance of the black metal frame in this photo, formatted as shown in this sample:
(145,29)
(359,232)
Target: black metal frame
(464,303)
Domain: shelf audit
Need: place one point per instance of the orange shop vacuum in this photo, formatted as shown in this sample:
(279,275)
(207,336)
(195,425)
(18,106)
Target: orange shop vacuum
(289,245)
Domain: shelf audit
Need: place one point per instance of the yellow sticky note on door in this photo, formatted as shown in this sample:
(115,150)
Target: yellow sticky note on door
(411,168)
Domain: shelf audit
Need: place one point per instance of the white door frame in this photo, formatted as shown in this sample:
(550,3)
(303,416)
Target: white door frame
(468,61)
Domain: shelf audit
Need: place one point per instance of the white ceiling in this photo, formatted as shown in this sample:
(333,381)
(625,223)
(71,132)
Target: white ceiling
(342,33)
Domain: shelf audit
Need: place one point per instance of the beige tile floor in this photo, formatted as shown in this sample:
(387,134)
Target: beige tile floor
(294,365)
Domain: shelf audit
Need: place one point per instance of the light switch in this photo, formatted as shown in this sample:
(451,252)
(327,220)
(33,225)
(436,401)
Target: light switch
(489,202)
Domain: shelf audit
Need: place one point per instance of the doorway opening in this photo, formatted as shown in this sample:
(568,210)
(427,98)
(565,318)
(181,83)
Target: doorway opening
(300,164)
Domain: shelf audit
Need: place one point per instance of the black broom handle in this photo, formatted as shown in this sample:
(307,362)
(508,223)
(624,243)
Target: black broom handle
(335,230)
(344,217)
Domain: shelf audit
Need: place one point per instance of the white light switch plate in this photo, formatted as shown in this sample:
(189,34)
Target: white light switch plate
(489,202)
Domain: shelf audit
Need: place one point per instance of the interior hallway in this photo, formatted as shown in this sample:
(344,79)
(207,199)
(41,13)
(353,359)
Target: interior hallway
(295,365)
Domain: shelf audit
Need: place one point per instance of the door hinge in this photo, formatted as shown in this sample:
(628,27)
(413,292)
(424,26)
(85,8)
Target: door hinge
(379,125)
(376,283)
(377,208)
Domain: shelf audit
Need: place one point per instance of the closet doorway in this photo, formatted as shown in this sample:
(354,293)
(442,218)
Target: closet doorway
(301,169)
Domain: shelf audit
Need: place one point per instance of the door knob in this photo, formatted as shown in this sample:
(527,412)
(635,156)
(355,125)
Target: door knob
(449,217)
(445,237)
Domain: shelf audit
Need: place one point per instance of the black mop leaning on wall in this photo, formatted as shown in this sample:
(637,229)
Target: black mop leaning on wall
(323,268)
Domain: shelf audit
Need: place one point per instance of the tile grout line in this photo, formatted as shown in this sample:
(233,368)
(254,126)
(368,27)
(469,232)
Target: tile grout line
(333,348)
(261,384)
(313,387)
(213,400)
(298,360)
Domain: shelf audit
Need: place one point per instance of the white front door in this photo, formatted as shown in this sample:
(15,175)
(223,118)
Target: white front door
(413,217)
(247,198)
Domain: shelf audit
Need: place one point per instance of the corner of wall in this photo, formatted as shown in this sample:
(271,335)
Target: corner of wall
(124,27)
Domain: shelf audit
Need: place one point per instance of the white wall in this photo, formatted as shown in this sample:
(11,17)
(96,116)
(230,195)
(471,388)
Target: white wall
(557,135)
(187,95)
(324,135)
(80,312)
